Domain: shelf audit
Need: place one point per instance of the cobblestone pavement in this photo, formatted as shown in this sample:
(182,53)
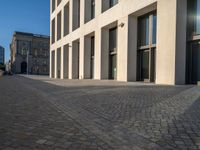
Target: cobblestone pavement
(43,114)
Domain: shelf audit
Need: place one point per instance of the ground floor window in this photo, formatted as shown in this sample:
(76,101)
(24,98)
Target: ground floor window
(146,53)
(193,62)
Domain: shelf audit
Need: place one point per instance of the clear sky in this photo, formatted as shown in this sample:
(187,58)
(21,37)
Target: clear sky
(23,15)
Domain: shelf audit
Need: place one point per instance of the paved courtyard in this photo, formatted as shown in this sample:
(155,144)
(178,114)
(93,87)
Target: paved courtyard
(38,113)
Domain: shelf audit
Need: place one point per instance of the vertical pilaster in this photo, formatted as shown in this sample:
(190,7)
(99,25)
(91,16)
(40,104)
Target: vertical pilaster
(62,63)
(97,57)
(70,61)
(81,58)
(171,41)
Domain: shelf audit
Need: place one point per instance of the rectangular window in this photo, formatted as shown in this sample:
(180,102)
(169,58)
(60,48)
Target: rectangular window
(113,3)
(198,18)
(66,19)
(53,31)
(89,10)
(53,4)
(58,2)
(193,17)
(147,27)
(92,57)
(76,14)
(143,24)
(59,26)
(113,39)
(92,9)
(154,29)
(106,4)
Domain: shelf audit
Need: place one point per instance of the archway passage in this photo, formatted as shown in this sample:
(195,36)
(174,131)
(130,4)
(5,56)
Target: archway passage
(23,67)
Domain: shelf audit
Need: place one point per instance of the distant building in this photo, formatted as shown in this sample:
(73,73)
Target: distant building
(29,51)
(2,55)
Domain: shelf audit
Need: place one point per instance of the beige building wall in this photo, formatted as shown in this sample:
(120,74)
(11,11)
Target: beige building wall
(170,47)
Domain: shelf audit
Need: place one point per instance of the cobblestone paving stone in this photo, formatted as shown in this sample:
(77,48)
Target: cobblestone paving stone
(59,114)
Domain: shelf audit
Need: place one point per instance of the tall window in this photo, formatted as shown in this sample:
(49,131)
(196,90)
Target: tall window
(92,9)
(53,31)
(144,30)
(58,2)
(76,14)
(66,19)
(154,29)
(92,57)
(53,4)
(147,27)
(113,2)
(59,26)
(198,18)
(193,17)
(113,53)
(106,4)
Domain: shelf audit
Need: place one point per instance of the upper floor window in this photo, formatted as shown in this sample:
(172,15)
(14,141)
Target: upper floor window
(147,29)
(193,17)
(76,14)
(106,4)
(198,18)
(58,2)
(113,2)
(53,5)
(89,10)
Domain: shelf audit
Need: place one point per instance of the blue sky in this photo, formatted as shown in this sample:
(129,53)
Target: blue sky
(23,15)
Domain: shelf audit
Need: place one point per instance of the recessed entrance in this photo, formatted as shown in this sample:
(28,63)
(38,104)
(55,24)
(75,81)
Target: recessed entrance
(113,53)
(146,47)
(193,61)
(23,67)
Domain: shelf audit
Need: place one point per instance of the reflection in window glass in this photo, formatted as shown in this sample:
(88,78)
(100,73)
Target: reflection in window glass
(144,31)
(198,18)
(154,28)
(113,2)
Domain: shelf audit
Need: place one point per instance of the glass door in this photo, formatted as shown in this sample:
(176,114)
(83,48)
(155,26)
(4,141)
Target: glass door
(193,70)
(147,27)
(144,68)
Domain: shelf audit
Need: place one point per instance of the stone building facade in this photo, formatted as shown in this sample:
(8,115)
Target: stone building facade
(126,40)
(29,52)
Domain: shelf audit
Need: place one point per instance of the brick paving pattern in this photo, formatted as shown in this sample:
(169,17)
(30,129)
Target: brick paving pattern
(43,114)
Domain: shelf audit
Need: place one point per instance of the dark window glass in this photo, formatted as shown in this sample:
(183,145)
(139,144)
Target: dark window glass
(92,46)
(92,9)
(144,31)
(58,2)
(154,29)
(113,2)
(145,65)
(198,18)
(53,5)
(113,39)
(53,31)
(59,26)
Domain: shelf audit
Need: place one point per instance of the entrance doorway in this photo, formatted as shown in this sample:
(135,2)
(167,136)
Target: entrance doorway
(23,67)
(146,53)
(113,53)
(193,62)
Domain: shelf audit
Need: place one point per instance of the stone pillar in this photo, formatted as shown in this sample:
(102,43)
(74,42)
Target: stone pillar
(97,57)
(81,58)
(171,41)
(70,61)
(62,63)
